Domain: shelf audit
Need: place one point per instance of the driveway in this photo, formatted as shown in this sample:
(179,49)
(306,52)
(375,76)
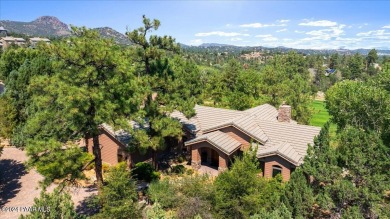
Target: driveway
(19,186)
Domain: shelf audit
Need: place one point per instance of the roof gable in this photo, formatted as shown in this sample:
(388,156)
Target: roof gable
(281,149)
(220,140)
(245,124)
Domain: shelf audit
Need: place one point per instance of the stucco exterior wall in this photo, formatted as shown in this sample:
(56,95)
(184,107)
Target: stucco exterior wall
(276,160)
(109,148)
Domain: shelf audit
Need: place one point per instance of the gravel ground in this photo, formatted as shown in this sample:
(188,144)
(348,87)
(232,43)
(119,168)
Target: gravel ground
(20,186)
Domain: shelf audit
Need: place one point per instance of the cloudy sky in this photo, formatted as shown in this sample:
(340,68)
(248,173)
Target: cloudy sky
(299,24)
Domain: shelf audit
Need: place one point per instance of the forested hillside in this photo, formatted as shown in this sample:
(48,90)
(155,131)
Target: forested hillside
(57,94)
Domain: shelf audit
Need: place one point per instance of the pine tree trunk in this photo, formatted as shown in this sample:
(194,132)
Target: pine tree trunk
(98,162)
(154,159)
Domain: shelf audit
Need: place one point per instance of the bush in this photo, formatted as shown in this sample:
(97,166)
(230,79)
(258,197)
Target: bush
(145,171)
(164,193)
(105,167)
(119,196)
(194,207)
(180,159)
(190,171)
(90,166)
(178,169)
(53,205)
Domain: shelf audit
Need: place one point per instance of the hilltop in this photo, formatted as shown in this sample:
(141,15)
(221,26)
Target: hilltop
(49,26)
(46,26)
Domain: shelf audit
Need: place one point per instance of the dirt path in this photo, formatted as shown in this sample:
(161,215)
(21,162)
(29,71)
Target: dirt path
(20,186)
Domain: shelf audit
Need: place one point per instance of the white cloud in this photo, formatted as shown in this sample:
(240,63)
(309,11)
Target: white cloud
(263,36)
(372,33)
(386,27)
(281,30)
(267,37)
(283,21)
(196,42)
(361,26)
(235,39)
(260,25)
(221,33)
(253,25)
(299,31)
(329,32)
(375,35)
(320,23)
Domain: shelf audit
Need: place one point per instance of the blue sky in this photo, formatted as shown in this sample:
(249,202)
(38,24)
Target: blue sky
(298,24)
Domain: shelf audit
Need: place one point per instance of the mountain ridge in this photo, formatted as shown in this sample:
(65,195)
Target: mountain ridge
(51,26)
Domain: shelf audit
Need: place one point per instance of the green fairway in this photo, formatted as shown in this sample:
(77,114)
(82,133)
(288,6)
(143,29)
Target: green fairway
(320,114)
(320,117)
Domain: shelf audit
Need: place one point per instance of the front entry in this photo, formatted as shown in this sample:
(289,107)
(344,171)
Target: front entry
(209,157)
(214,158)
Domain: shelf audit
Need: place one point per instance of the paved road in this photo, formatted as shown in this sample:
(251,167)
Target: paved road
(20,186)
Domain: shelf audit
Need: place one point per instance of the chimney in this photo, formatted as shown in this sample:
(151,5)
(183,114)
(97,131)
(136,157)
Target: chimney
(284,114)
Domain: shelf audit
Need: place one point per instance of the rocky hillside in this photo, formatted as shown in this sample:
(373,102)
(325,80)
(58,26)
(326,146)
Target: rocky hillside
(108,32)
(43,26)
(49,26)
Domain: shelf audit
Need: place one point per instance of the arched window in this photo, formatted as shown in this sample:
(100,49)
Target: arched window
(276,170)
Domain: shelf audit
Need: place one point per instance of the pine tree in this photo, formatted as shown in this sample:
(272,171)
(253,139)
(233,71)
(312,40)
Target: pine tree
(92,84)
(170,84)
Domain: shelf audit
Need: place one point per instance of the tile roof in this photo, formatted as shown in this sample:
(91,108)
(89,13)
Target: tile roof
(39,39)
(264,112)
(9,38)
(206,117)
(121,135)
(297,135)
(288,140)
(282,149)
(246,124)
(219,139)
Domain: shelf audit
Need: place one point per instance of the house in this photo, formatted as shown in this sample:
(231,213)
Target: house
(329,71)
(2,87)
(215,136)
(115,147)
(35,40)
(7,41)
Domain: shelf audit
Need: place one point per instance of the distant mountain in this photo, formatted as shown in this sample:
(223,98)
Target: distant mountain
(108,32)
(216,47)
(49,26)
(43,26)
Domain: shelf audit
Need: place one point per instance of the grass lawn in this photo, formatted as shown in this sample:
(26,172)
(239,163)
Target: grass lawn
(320,114)
(320,117)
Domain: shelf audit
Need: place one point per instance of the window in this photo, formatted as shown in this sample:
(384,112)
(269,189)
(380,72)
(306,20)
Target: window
(276,170)
(120,158)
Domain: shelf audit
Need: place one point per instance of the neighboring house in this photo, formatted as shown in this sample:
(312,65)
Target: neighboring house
(35,40)
(329,71)
(214,136)
(7,41)
(2,87)
(114,147)
(377,66)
